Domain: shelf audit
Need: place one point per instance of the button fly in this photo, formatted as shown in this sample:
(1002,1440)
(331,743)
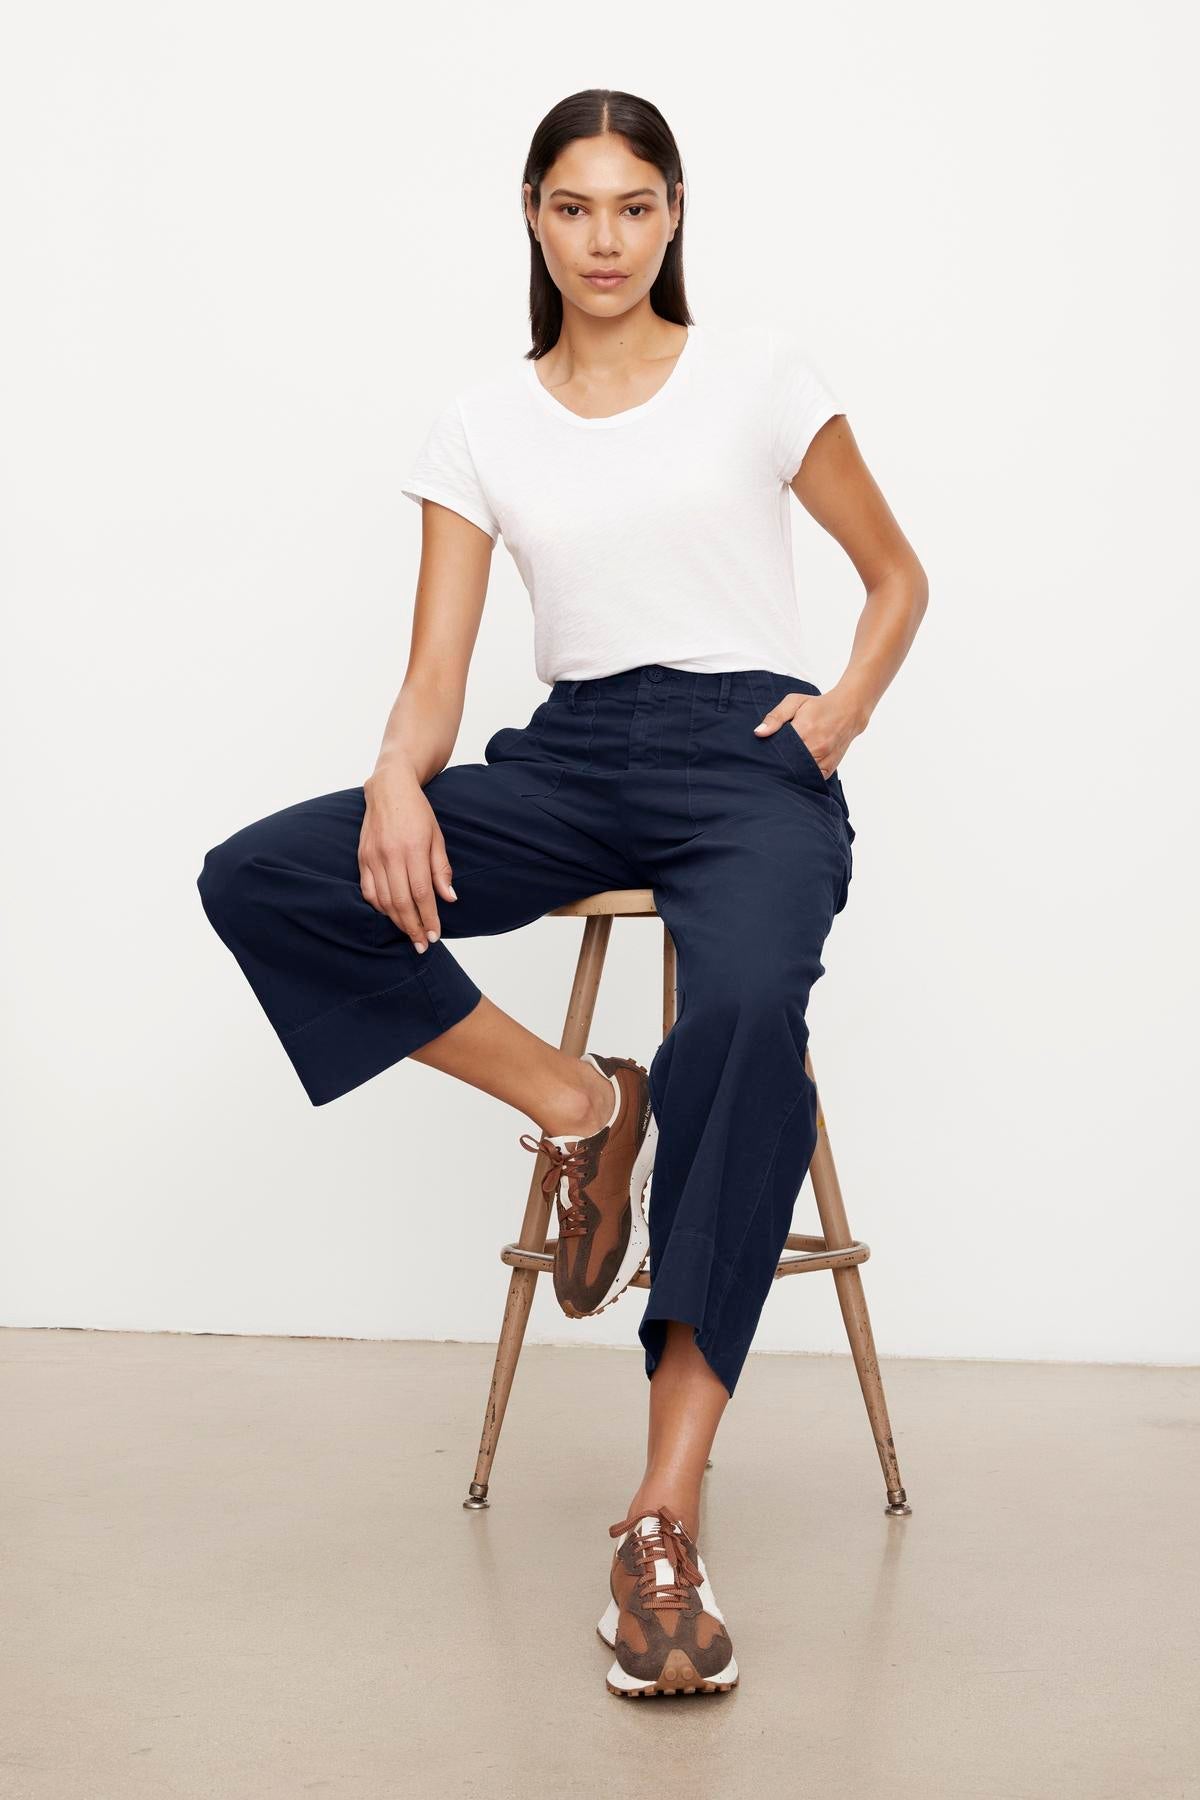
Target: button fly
(646,727)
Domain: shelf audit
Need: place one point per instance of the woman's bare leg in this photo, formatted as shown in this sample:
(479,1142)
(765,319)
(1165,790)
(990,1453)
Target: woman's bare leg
(687,1400)
(495,1052)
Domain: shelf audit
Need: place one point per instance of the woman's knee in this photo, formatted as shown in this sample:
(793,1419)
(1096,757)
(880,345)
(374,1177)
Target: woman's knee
(222,879)
(754,997)
(232,873)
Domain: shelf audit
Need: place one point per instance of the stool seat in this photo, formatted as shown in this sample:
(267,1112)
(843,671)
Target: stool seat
(613,903)
(532,1253)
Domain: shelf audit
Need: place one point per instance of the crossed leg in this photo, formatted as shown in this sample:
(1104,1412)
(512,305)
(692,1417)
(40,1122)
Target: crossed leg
(348,995)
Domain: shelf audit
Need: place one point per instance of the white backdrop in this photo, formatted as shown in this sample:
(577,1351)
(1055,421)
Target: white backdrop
(252,249)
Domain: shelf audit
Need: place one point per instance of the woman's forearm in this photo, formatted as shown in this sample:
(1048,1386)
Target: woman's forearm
(421,730)
(887,625)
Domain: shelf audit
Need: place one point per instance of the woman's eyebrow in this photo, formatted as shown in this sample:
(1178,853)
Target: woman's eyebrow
(570,192)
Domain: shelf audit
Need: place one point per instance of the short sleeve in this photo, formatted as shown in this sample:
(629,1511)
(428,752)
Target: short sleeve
(444,470)
(801,402)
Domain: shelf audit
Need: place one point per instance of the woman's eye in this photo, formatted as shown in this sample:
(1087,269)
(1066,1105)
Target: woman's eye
(572,207)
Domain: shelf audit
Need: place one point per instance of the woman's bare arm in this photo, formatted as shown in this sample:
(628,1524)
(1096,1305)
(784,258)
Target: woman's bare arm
(452,582)
(402,856)
(834,484)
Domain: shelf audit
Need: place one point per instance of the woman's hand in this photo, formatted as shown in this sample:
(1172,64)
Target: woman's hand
(402,855)
(830,725)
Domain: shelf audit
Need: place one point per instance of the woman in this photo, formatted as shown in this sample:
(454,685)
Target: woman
(638,467)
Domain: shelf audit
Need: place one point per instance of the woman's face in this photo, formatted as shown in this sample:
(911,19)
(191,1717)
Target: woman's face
(604,212)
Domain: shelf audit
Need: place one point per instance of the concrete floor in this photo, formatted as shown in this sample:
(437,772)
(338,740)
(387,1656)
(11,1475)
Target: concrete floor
(240,1567)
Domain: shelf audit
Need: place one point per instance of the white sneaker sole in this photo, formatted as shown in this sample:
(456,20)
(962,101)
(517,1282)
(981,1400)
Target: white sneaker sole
(675,1677)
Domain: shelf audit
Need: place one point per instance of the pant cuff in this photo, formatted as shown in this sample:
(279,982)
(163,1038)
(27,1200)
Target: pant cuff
(680,1291)
(359,1039)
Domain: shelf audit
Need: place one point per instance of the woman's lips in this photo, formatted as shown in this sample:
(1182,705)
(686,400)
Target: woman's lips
(605,281)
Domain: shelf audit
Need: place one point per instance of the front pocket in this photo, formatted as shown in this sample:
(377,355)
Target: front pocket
(798,759)
(805,770)
(789,745)
(518,747)
(806,763)
(539,780)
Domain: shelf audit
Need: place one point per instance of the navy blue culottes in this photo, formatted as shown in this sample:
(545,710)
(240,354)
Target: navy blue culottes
(649,778)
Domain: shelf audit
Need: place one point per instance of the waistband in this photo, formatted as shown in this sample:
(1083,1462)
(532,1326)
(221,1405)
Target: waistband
(718,684)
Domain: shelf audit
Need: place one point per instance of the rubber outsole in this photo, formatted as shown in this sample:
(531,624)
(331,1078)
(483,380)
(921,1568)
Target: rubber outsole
(677,1675)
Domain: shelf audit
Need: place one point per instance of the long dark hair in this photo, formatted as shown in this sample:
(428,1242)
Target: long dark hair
(639,122)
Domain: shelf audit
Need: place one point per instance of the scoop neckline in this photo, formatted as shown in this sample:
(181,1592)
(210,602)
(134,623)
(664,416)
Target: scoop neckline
(682,363)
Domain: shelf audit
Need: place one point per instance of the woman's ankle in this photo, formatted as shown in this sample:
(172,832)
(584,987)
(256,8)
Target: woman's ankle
(581,1104)
(685,1506)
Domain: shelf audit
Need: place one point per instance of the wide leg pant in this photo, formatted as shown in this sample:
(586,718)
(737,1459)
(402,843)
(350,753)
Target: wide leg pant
(649,778)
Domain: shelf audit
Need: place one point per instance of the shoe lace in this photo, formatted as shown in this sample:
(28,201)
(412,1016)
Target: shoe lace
(667,1539)
(566,1164)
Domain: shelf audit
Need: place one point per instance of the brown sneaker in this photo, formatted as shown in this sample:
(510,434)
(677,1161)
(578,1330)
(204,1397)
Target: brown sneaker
(603,1237)
(663,1620)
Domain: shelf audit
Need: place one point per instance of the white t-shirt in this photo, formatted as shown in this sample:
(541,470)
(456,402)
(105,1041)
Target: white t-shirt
(660,534)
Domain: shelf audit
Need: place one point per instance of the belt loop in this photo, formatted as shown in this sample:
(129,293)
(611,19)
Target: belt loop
(571,693)
(723,696)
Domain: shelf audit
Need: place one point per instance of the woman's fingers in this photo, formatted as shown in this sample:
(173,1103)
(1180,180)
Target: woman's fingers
(439,865)
(369,886)
(401,884)
(422,902)
(773,720)
(785,714)
(392,881)
(384,884)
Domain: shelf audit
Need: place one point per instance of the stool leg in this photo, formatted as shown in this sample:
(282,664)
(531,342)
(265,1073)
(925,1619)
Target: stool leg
(670,979)
(592,950)
(853,1302)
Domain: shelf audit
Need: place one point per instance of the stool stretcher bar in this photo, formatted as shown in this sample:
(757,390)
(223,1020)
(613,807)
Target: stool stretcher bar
(811,1253)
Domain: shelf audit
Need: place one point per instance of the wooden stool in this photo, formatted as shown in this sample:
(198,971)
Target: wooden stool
(533,1253)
